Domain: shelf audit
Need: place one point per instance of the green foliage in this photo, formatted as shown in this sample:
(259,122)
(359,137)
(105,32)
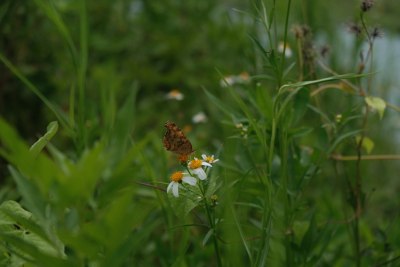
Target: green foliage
(84,206)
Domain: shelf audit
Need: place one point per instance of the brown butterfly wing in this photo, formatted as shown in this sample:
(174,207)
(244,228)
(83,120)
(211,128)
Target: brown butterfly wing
(176,141)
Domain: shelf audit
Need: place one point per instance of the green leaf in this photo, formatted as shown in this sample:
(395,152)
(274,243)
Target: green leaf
(60,116)
(212,185)
(220,104)
(124,123)
(30,193)
(323,80)
(308,242)
(300,229)
(38,146)
(300,104)
(186,201)
(376,103)
(25,237)
(207,236)
(31,252)
(82,178)
(300,132)
(39,169)
(367,143)
(341,138)
(242,234)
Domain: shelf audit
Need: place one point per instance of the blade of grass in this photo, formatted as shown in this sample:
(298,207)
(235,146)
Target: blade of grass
(51,12)
(61,118)
(38,146)
(244,242)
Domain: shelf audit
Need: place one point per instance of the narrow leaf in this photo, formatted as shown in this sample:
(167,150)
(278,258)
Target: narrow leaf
(207,236)
(376,103)
(38,146)
(367,143)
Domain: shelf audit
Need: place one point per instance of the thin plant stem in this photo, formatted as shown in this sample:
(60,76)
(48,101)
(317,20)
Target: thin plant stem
(370,48)
(82,75)
(365,157)
(284,178)
(284,43)
(358,182)
(211,222)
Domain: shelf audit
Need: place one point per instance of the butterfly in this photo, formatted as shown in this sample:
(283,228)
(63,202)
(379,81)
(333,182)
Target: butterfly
(175,140)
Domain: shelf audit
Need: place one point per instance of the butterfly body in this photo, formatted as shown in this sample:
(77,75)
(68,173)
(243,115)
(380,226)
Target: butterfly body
(175,140)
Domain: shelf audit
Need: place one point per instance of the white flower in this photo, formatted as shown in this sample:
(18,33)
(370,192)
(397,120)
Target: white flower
(175,94)
(288,50)
(196,167)
(176,179)
(242,78)
(199,117)
(227,81)
(209,159)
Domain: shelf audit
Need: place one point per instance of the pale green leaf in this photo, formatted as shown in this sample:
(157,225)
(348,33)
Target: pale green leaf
(42,142)
(367,143)
(376,103)
(17,222)
(207,236)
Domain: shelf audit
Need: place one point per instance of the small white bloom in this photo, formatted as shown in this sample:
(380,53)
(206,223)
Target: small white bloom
(176,179)
(209,159)
(196,165)
(175,94)
(199,117)
(288,50)
(242,78)
(227,81)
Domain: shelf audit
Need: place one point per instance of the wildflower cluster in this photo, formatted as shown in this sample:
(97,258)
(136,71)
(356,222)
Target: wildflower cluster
(196,170)
(243,130)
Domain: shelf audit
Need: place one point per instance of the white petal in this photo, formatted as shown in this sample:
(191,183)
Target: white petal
(175,188)
(206,164)
(213,159)
(170,186)
(189,180)
(204,156)
(200,173)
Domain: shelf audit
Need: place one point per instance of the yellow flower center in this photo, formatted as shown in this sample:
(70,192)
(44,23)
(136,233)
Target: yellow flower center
(177,176)
(195,164)
(174,92)
(209,159)
(244,75)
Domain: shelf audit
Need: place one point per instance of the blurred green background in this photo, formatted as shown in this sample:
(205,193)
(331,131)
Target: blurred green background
(162,45)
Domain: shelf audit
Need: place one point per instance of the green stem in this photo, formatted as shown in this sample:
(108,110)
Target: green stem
(370,49)
(284,43)
(82,75)
(211,222)
(284,178)
(271,145)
